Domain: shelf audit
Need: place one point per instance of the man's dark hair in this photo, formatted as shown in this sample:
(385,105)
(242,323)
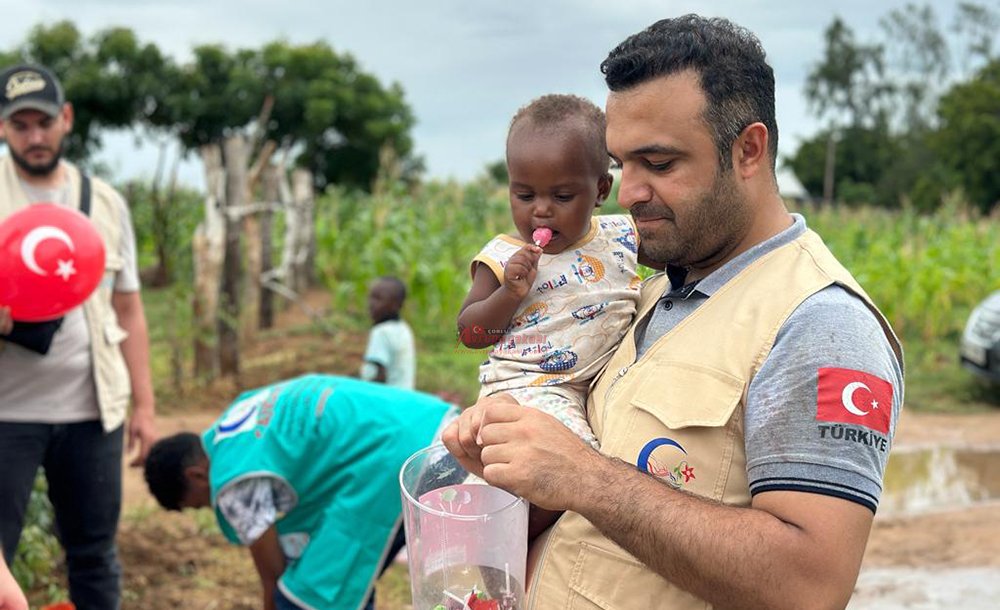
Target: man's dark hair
(396,287)
(165,466)
(569,111)
(729,60)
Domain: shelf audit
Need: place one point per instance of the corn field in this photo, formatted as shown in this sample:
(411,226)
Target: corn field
(426,239)
(925,272)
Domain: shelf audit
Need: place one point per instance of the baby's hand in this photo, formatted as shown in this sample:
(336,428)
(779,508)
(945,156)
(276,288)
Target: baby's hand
(521,269)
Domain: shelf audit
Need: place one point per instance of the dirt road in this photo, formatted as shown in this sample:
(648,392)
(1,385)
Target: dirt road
(935,560)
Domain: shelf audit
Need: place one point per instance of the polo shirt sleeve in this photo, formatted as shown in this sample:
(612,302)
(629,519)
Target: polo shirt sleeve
(806,430)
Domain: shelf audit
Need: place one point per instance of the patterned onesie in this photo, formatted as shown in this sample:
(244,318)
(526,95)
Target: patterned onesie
(579,308)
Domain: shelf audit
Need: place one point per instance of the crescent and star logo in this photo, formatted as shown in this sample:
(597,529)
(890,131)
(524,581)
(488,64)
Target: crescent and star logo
(670,464)
(847,396)
(34,238)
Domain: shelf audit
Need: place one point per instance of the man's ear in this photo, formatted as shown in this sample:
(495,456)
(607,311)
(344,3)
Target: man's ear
(750,151)
(604,188)
(67,116)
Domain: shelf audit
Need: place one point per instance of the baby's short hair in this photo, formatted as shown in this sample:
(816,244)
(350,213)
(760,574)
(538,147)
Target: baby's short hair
(563,111)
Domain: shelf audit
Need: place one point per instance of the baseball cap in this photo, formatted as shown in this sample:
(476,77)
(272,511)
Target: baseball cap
(30,87)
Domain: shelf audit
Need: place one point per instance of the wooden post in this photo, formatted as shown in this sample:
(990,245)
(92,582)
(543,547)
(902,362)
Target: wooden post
(208,247)
(254,245)
(235,150)
(302,229)
(271,190)
(250,304)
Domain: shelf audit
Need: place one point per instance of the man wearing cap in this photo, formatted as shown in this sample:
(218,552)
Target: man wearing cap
(65,385)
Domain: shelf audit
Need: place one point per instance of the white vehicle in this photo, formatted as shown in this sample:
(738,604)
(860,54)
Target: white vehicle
(980,348)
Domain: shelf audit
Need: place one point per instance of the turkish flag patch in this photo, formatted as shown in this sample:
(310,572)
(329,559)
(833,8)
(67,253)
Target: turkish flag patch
(847,396)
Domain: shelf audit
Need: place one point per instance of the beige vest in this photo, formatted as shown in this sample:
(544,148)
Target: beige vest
(691,387)
(110,373)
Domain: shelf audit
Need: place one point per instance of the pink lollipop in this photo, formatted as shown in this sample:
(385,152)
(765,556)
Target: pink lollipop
(541,236)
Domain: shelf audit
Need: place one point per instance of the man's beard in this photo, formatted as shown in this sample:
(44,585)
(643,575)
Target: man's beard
(710,226)
(34,169)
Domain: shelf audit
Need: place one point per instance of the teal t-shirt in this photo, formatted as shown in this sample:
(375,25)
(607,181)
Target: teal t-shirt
(339,444)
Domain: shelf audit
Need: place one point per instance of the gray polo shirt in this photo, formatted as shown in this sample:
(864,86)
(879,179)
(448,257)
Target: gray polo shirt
(788,446)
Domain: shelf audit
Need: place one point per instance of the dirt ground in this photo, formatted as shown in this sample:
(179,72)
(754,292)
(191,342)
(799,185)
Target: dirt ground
(945,559)
(174,561)
(170,560)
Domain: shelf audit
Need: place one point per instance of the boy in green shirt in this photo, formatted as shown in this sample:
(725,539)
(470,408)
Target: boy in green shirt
(305,473)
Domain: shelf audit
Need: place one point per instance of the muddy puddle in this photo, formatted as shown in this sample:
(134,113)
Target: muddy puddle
(896,588)
(922,479)
(934,523)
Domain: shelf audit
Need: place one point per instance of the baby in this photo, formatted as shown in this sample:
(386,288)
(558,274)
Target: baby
(555,298)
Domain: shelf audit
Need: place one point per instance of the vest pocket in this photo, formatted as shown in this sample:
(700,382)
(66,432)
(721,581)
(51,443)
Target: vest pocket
(113,263)
(685,428)
(116,378)
(680,395)
(609,580)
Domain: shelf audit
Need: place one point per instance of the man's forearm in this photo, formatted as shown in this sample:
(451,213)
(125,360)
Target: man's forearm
(731,557)
(270,587)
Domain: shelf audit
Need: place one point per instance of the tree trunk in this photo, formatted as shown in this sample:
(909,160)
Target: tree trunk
(302,209)
(271,190)
(829,170)
(161,275)
(208,247)
(250,305)
(235,149)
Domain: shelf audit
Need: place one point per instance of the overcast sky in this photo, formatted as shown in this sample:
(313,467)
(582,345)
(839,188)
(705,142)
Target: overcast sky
(465,65)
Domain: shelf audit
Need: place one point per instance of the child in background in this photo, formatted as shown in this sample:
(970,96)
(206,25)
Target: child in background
(390,357)
(555,298)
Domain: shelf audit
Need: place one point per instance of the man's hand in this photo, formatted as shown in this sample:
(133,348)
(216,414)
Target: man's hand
(460,437)
(519,274)
(523,450)
(6,322)
(11,597)
(141,434)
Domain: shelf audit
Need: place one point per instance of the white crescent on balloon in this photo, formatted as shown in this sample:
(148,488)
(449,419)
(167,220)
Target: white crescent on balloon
(848,397)
(37,236)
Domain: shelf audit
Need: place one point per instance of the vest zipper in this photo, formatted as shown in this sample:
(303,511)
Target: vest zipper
(607,393)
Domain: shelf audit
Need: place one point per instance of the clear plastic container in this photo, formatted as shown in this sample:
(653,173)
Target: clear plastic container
(467,541)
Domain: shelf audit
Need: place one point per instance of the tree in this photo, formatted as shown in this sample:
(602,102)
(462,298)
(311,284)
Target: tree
(845,88)
(968,140)
(335,115)
(847,84)
(918,63)
(862,155)
(977,26)
(881,101)
(111,79)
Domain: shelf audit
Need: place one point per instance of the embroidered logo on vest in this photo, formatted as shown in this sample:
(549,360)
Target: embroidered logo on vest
(670,464)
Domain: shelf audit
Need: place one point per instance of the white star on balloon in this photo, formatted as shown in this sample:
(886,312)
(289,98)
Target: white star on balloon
(65,269)
(874,404)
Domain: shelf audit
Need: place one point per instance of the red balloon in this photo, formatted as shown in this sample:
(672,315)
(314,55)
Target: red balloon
(51,260)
